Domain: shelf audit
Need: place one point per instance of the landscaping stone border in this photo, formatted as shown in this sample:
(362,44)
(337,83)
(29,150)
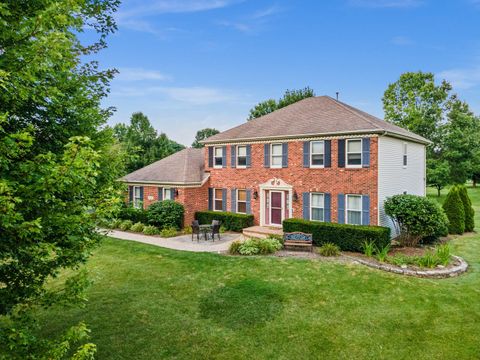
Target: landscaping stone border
(433,273)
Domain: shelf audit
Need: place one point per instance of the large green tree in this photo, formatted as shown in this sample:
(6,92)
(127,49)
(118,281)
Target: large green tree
(57,165)
(415,102)
(288,98)
(142,142)
(202,135)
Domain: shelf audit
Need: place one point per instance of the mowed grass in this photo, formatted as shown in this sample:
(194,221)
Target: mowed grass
(152,303)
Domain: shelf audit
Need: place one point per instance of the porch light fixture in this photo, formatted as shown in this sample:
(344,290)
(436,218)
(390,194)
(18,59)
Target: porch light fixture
(255,195)
(176,192)
(295,196)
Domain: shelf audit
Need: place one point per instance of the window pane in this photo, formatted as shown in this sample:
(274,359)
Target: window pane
(354,202)
(317,214)
(277,149)
(218,194)
(242,151)
(137,192)
(218,205)
(218,161)
(354,217)
(405,160)
(167,194)
(242,195)
(218,152)
(354,146)
(276,160)
(317,200)
(242,207)
(317,147)
(242,161)
(354,159)
(317,159)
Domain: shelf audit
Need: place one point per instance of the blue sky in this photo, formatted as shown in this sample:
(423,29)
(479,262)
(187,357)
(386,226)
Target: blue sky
(204,63)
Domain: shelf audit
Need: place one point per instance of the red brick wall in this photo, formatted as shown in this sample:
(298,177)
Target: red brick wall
(333,180)
(193,199)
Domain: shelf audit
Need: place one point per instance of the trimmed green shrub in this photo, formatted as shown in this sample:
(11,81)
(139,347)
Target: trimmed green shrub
(128,212)
(455,211)
(137,227)
(166,214)
(347,237)
(249,247)
(467,206)
(125,225)
(415,217)
(168,232)
(150,230)
(187,230)
(234,248)
(329,249)
(230,221)
(268,246)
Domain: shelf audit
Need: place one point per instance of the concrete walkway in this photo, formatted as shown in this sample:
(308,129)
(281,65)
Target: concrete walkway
(182,242)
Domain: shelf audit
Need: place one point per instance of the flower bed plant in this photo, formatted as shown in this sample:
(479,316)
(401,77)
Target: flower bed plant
(255,246)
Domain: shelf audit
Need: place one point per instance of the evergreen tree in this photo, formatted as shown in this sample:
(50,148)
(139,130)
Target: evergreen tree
(455,211)
(469,211)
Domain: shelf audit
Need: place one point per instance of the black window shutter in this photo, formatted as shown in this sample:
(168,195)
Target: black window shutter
(249,201)
(328,153)
(210,156)
(130,194)
(306,206)
(172,193)
(233,200)
(249,156)
(224,156)
(327,207)
(266,155)
(224,199)
(306,154)
(233,162)
(366,152)
(341,153)
(365,210)
(160,194)
(285,155)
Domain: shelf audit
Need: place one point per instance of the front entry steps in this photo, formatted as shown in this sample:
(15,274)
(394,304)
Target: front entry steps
(262,232)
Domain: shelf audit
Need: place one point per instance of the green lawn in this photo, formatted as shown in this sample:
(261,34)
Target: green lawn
(152,303)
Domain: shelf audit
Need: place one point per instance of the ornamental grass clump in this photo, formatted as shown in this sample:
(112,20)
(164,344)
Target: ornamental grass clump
(455,211)
(415,218)
(329,249)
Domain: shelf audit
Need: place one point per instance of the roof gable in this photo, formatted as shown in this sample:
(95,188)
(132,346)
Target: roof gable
(320,115)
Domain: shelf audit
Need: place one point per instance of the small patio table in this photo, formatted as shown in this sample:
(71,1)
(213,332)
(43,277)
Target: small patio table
(205,229)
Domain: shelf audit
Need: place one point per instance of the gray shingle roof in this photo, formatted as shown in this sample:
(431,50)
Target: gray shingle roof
(320,115)
(184,167)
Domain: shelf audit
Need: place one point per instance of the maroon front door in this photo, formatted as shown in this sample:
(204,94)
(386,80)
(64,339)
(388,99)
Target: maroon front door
(276,208)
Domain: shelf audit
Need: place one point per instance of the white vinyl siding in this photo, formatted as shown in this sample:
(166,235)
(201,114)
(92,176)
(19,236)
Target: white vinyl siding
(395,178)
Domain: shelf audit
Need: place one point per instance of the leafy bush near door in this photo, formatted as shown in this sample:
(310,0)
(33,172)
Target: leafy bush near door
(229,220)
(128,212)
(416,217)
(166,214)
(455,211)
(255,246)
(346,237)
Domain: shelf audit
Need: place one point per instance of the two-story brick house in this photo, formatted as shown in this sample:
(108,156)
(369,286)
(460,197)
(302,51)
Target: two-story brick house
(317,159)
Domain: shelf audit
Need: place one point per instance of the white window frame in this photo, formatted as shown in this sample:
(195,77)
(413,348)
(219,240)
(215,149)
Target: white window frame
(237,156)
(347,209)
(405,155)
(238,201)
(137,202)
(346,154)
(165,194)
(312,153)
(314,207)
(215,199)
(215,157)
(271,156)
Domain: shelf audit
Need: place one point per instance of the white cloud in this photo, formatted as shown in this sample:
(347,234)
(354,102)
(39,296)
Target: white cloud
(462,78)
(252,22)
(386,3)
(194,95)
(401,40)
(133,13)
(139,74)
(274,9)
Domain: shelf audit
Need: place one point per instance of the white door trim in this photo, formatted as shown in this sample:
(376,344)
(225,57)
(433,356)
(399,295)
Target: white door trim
(275,185)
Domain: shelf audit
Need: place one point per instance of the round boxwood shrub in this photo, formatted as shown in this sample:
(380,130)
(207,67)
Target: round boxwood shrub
(166,214)
(415,216)
(455,211)
(467,206)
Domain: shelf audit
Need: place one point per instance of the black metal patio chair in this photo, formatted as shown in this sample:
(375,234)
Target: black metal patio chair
(196,229)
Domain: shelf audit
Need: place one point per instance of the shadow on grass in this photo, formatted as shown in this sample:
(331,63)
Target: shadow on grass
(242,304)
